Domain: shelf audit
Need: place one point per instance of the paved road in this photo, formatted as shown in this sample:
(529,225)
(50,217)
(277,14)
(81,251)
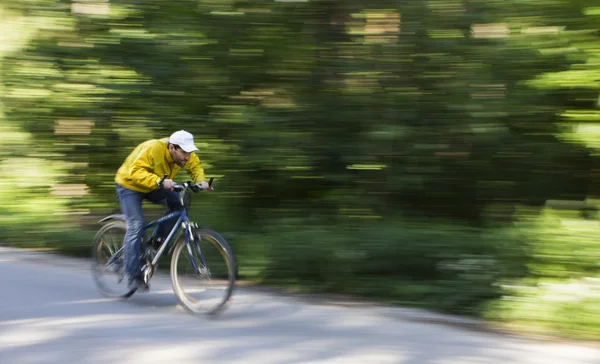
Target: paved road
(50,312)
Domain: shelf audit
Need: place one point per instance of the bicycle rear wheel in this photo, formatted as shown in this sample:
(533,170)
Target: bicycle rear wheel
(108,264)
(203,272)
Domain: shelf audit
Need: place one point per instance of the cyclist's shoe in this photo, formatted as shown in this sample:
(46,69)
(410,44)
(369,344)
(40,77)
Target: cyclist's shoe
(138,284)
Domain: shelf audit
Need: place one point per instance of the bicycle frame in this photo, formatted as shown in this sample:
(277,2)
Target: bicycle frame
(182,221)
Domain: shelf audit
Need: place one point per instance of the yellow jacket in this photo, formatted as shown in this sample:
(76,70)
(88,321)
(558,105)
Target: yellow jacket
(149,162)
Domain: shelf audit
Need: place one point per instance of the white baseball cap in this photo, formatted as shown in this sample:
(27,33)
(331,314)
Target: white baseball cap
(184,140)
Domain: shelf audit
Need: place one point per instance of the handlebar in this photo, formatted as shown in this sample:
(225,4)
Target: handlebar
(186,185)
(192,186)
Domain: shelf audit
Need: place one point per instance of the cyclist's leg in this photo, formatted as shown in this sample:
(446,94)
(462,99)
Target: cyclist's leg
(171,200)
(131,207)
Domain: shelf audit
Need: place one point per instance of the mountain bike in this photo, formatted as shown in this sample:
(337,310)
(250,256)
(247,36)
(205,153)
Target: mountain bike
(199,256)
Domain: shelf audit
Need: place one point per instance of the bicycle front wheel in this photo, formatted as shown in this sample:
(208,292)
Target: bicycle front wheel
(203,272)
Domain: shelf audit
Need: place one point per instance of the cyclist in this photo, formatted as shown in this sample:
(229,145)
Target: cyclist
(138,178)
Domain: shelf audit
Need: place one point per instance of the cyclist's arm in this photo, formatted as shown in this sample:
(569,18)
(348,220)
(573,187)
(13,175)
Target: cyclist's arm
(194,168)
(142,169)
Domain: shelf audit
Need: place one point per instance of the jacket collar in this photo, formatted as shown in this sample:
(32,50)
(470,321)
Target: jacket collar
(168,157)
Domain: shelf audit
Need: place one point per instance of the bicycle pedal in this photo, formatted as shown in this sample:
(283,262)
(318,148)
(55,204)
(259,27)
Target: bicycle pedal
(147,273)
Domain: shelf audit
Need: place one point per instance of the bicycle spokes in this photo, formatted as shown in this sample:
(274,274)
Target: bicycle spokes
(108,260)
(115,262)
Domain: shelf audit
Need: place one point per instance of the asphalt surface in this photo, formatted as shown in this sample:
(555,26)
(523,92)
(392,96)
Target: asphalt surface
(51,312)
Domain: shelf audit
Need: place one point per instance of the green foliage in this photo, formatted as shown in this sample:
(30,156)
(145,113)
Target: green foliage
(563,279)
(563,308)
(447,266)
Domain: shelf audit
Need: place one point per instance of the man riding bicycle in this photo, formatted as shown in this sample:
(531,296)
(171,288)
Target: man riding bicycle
(138,178)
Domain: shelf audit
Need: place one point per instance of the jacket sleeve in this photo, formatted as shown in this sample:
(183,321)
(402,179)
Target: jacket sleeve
(142,169)
(194,168)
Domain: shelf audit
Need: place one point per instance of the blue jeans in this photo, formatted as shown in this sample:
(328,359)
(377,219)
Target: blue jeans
(131,207)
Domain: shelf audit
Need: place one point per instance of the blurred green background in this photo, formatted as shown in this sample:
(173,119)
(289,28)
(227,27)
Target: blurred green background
(431,153)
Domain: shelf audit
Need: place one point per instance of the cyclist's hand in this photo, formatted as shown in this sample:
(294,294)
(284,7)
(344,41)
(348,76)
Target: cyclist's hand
(168,184)
(203,185)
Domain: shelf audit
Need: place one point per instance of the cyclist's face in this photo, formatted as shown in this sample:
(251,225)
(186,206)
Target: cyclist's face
(180,157)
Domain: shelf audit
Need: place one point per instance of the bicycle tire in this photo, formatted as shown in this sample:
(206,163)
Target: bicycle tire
(98,267)
(217,241)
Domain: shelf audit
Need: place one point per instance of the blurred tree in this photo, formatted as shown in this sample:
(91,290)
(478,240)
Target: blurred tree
(420,107)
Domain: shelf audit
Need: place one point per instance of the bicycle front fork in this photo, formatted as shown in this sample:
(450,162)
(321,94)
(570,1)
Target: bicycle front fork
(193,242)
